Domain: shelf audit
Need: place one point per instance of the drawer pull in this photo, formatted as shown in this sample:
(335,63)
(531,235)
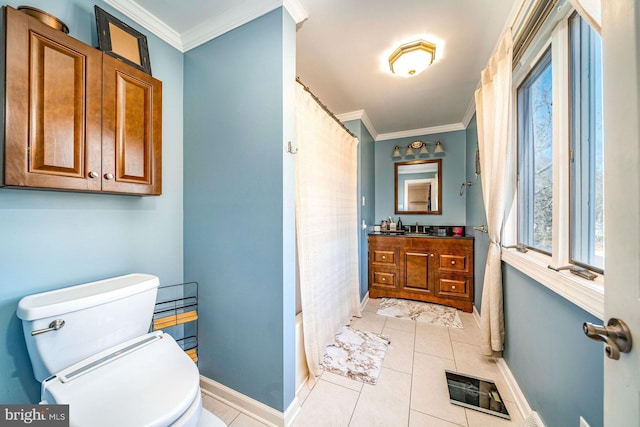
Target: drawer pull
(453,287)
(431,255)
(453,263)
(384,279)
(384,257)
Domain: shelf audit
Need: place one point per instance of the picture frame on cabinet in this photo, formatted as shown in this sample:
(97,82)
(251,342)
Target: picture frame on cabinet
(122,41)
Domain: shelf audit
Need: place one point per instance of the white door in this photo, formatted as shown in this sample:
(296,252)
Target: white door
(621,97)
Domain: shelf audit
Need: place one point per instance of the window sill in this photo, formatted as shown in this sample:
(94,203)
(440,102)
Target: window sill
(586,294)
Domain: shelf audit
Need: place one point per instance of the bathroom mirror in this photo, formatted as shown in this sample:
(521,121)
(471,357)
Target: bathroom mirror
(418,187)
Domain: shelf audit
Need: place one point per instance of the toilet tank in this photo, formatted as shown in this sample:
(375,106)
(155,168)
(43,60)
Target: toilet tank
(96,316)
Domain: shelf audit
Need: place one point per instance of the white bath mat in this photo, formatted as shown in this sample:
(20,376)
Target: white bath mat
(423,312)
(356,354)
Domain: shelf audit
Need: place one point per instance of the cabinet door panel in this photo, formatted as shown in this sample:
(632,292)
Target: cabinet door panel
(417,272)
(132,131)
(53,107)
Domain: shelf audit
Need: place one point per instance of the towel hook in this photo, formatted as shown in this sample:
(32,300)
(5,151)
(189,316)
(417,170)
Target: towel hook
(462,187)
(290,148)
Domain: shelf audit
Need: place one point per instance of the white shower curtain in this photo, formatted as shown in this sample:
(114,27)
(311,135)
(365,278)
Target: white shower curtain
(326,226)
(493,108)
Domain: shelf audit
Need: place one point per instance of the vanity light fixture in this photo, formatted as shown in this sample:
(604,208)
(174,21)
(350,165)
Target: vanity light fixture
(409,151)
(396,152)
(421,146)
(410,59)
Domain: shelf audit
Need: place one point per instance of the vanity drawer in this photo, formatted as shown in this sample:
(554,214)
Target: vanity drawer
(384,279)
(384,257)
(454,286)
(454,262)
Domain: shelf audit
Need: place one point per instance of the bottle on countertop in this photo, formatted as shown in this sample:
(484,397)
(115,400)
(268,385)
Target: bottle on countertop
(399,224)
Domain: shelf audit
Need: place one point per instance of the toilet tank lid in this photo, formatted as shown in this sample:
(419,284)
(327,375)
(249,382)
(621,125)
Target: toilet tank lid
(74,298)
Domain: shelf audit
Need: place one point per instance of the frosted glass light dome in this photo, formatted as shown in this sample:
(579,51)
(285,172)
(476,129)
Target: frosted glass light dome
(412,58)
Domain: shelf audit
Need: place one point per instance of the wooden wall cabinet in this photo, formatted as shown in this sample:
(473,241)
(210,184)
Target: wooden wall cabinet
(431,269)
(75,118)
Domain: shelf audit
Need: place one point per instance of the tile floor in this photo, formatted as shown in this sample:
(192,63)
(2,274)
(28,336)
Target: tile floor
(411,390)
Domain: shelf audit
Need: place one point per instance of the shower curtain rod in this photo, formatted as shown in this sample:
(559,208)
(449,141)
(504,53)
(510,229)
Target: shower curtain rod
(324,107)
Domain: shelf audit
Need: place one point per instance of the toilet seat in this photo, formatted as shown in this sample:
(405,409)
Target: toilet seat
(100,390)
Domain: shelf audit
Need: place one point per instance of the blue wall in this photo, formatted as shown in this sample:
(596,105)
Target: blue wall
(476,216)
(56,239)
(239,205)
(559,371)
(453,175)
(366,188)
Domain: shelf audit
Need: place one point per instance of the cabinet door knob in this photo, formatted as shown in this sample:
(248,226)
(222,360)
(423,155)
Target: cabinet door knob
(453,287)
(93,174)
(431,255)
(384,257)
(453,263)
(384,279)
(108,176)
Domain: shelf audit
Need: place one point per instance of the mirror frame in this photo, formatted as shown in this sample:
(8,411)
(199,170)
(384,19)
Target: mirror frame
(395,187)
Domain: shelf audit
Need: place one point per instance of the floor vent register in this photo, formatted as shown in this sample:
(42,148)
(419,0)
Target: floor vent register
(476,393)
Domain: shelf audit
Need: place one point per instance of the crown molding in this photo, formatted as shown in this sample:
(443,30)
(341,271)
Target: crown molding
(296,10)
(142,16)
(362,116)
(209,29)
(221,24)
(419,132)
(468,115)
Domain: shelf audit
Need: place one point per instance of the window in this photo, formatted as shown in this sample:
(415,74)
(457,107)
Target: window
(535,157)
(558,135)
(587,163)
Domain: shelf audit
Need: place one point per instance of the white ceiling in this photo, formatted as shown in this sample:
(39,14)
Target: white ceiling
(342,48)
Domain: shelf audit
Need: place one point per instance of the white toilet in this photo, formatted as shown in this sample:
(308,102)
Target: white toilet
(90,349)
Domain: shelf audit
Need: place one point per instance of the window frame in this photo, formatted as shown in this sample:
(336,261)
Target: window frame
(575,167)
(546,58)
(586,294)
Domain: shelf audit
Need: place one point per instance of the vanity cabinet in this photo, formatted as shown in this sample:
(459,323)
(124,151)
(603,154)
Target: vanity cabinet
(424,268)
(75,118)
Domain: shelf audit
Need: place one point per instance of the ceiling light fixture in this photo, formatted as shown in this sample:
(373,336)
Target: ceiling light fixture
(412,58)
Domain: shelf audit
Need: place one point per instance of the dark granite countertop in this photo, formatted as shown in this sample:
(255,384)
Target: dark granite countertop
(423,235)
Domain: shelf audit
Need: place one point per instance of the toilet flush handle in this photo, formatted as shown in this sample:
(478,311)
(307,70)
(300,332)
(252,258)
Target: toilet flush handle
(53,326)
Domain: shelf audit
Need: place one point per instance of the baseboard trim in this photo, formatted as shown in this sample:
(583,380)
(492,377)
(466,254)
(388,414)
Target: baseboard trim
(248,406)
(364,301)
(521,401)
